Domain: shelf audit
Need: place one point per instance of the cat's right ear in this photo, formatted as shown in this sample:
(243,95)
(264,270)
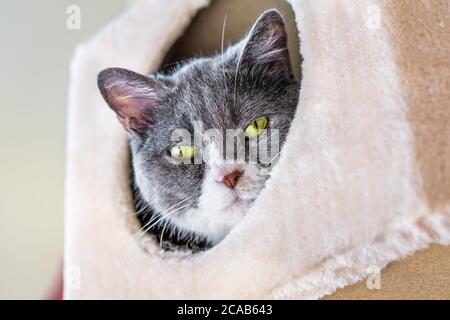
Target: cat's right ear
(266,45)
(132,96)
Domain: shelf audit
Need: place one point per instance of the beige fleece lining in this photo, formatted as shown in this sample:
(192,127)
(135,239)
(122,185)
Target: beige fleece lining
(345,196)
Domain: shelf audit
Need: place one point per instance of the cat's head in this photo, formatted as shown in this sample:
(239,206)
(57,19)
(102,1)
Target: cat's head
(188,168)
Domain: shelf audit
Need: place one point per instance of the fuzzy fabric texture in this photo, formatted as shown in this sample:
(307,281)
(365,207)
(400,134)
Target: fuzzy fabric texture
(363,179)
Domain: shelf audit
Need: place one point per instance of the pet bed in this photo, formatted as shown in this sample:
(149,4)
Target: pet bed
(363,179)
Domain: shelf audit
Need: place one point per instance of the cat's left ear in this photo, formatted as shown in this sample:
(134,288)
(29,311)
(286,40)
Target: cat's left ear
(267,45)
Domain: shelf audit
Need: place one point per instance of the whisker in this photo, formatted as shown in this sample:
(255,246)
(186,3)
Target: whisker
(142,207)
(222,45)
(161,218)
(162,234)
(161,214)
(236,75)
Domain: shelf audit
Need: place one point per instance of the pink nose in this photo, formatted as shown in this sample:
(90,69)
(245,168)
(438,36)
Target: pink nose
(231,179)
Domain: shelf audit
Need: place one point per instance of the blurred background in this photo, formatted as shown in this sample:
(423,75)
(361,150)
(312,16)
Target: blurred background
(36,48)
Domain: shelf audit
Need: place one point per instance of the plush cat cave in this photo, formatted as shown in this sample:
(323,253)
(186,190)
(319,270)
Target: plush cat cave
(363,179)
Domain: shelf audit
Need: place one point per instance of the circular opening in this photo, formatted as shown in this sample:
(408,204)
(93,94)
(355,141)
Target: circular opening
(205,33)
(220,25)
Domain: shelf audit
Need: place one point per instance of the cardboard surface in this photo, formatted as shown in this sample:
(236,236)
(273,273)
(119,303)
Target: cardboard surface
(423,275)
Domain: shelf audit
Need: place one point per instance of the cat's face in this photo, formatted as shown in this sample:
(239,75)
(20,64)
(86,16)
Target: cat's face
(193,131)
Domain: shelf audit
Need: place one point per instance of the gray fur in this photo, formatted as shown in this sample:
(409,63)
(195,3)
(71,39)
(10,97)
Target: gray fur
(252,79)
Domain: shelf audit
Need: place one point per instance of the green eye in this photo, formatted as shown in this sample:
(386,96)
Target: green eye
(183,152)
(256,127)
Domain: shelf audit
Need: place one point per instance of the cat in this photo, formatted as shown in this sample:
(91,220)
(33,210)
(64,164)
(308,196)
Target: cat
(193,191)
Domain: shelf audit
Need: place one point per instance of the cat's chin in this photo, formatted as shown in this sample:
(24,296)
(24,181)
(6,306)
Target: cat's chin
(213,225)
(238,206)
(233,213)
